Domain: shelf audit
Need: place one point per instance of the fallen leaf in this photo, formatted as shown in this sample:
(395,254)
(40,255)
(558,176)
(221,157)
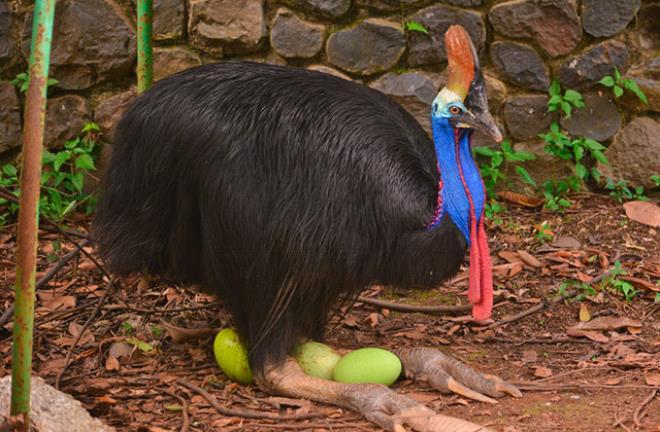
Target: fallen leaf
(653,379)
(608,323)
(121,349)
(542,372)
(509,256)
(508,270)
(520,199)
(181,335)
(106,400)
(644,212)
(111,363)
(613,381)
(591,335)
(530,356)
(59,302)
(566,242)
(584,313)
(529,259)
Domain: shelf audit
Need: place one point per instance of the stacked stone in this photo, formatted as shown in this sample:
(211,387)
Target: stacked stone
(523,45)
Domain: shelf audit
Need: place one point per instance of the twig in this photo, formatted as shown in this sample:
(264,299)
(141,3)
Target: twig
(403,307)
(530,386)
(249,414)
(52,271)
(639,412)
(521,315)
(536,340)
(163,311)
(96,310)
(185,422)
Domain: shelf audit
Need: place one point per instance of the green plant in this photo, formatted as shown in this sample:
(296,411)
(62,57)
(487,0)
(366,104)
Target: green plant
(613,283)
(22,81)
(127,328)
(543,232)
(556,191)
(415,26)
(493,169)
(493,211)
(561,146)
(582,290)
(618,83)
(567,101)
(656,180)
(62,178)
(620,191)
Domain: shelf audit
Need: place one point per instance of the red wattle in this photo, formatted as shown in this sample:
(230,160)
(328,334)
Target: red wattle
(483,309)
(474,286)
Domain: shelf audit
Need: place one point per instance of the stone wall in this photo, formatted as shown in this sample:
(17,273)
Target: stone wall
(523,45)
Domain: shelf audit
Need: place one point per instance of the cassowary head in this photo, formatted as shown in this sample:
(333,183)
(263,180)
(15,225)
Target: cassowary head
(459,107)
(463,102)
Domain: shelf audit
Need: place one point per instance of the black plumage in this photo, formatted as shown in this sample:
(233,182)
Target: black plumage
(283,191)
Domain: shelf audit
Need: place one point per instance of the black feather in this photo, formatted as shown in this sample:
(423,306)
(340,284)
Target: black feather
(281,190)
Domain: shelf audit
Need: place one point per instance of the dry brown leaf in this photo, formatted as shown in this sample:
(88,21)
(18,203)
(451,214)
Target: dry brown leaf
(529,259)
(653,379)
(509,256)
(566,242)
(106,400)
(181,335)
(520,199)
(643,212)
(591,335)
(613,381)
(121,349)
(530,356)
(585,315)
(608,323)
(542,372)
(111,363)
(59,302)
(508,270)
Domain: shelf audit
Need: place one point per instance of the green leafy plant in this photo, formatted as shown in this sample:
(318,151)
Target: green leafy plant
(22,81)
(620,191)
(567,100)
(561,146)
(415,26)
(62,178)
(613,283)
(494,210)
(581,290)
(543,232)
(555,193)
(618,83)
(656,180)
(493,169)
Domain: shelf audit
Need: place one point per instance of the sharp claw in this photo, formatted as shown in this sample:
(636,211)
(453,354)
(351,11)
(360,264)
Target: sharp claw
(462,390)
(503,386)
(399,428)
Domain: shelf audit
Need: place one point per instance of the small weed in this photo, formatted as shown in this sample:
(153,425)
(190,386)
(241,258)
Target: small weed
(582,290)
(567,101)
(127,328)
(656,180)
(494,211)
(414,26)
(493,170)
(543,232)
(555,192)
(22,81)
(156,331)
(613,283)
(618,83)
(620,191)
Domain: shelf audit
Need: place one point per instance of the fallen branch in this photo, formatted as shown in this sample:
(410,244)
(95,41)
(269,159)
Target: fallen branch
(531,386)
(403,307)
(521,315)
(249,414)
(639,412)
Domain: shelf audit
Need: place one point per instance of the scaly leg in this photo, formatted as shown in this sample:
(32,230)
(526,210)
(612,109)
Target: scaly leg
(445,373)
(375,402)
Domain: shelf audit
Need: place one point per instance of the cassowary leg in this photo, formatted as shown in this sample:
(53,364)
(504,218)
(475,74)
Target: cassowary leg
(445,373)
(377,403)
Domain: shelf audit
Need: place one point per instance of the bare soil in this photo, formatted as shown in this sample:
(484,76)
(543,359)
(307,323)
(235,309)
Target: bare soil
(125,364)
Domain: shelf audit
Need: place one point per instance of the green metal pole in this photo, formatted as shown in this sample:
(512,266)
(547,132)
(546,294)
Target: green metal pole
(145,65)
(28,213)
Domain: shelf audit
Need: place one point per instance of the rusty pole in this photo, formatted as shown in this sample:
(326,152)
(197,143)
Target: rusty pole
(28,213)
(145,66)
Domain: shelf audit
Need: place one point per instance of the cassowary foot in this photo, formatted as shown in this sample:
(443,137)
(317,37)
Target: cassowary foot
(445,373)
(377,403)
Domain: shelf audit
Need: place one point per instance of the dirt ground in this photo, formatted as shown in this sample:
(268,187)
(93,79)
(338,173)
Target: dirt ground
(132,349)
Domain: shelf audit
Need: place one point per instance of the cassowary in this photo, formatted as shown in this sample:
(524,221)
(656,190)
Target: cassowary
(286,192)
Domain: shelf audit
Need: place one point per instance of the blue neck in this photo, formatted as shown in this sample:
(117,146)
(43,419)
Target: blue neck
(457,189)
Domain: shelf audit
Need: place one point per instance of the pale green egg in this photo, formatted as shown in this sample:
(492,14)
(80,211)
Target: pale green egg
(232,356)
(368,365)
(316,359)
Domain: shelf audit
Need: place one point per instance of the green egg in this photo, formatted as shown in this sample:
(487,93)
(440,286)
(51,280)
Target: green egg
(232,357)
(368,365)
(316,359)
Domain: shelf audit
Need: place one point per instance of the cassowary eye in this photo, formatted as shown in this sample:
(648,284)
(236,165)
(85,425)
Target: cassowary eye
(455,110)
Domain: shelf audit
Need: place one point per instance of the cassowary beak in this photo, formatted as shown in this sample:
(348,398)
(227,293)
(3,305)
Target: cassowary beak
(478,117)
